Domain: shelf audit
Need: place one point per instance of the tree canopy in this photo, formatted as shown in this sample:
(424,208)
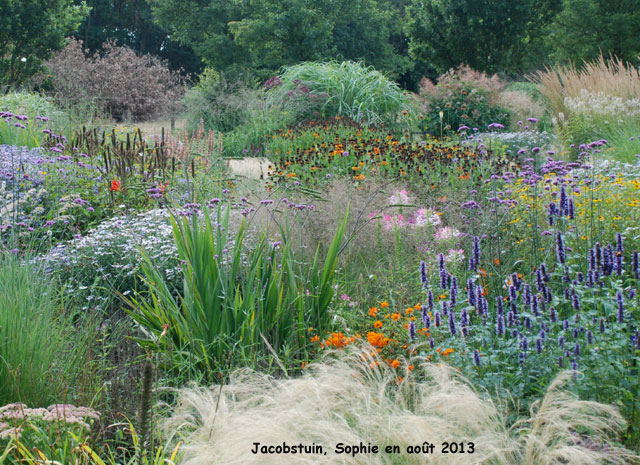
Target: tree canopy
(31,31)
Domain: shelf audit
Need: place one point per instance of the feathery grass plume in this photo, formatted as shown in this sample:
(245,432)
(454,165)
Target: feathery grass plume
(351,400)
(610,76)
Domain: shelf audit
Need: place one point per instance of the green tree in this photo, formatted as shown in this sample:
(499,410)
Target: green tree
(130,23)
(487,35)
(31,30)
(203,26)
(263,35)
(586,28)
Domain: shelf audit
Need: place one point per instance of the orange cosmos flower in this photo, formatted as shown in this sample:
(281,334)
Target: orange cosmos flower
(395,316)
(377,324)
(373,311)
(384,304)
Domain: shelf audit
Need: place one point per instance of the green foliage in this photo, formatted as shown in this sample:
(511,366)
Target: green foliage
(31,105)
(131,24)
(236,303)
(345,89)
(585,29)
(262,36)
(220,104)
(625,141)
(31,30)
(42,354)
(464,98)
(486,35)
(68,446)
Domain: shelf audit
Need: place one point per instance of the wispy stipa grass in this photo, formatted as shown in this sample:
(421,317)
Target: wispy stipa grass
(353,400)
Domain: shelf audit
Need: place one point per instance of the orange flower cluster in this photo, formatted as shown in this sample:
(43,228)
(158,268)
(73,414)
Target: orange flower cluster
(378,340)
(338,340)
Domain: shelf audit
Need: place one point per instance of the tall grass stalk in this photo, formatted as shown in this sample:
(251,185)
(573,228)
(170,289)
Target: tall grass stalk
(42,353)
(610,76)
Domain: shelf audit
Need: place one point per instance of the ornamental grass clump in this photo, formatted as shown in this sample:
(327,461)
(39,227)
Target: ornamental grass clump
(352,400)
(41,352)
(343,89)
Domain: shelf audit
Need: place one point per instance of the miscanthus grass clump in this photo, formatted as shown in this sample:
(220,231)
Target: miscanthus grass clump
(353,400)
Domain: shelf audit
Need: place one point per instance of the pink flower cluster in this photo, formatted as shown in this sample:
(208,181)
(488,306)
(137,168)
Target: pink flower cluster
(14,417)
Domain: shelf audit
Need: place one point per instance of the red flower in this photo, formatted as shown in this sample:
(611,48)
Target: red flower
(115,185)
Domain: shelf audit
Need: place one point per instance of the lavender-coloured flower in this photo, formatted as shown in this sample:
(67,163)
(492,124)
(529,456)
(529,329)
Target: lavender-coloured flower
(499,305)
(560,248)
(423,274)
(471,295)
(426,319)
(452,323)
(500,325)
(412,331)
(620,302)
(534,305)
(539,345)
(575,301)
(476,358)
(453,294)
